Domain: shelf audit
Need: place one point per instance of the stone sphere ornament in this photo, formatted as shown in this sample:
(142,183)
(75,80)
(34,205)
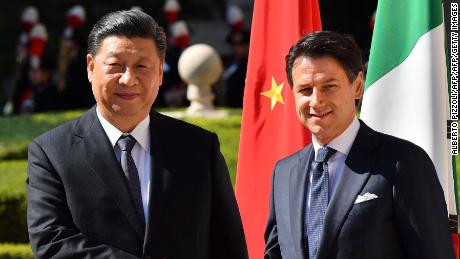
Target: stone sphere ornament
(200,66)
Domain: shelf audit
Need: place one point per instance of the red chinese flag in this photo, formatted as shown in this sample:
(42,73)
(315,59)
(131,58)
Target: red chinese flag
(270,128)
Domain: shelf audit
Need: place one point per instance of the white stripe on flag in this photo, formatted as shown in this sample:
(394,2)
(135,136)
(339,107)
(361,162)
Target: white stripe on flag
(411,102)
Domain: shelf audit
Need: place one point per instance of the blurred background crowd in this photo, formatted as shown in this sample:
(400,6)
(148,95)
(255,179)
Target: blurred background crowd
(43,46)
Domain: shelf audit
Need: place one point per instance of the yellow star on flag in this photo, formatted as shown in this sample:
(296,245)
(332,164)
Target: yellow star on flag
(274,93)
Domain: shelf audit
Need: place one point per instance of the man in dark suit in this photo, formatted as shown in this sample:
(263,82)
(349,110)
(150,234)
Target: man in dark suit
(123,181)
(354,192)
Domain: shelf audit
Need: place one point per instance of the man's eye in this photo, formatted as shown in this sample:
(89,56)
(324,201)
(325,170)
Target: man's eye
(305,90)
(114,67)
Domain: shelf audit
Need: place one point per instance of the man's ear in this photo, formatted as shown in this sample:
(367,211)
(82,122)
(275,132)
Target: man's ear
(358,86)
(90,66)
(160,74)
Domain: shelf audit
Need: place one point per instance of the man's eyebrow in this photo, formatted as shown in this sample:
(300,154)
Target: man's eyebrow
(144,58)
(309,82)
(332,79)
(113,52)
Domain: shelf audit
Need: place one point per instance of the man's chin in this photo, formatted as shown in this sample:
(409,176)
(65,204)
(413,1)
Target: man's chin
(318,130)
(125,111)
(314,127)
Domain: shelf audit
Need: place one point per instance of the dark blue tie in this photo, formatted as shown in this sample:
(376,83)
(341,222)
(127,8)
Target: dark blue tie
(126,144)
(319,198)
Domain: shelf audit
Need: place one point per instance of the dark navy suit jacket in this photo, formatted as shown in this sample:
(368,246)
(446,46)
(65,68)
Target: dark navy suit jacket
(79,204)
(408,219)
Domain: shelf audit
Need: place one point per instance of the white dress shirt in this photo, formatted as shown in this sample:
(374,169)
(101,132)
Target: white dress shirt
(342,144)
(140,152)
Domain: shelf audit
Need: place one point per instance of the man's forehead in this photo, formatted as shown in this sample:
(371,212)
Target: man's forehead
(309,70)
(121,39)
(116,45)
(315,78)
(323,62)
(301,57)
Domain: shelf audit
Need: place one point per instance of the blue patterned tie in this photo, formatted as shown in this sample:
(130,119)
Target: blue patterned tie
(126,144)
(319,198)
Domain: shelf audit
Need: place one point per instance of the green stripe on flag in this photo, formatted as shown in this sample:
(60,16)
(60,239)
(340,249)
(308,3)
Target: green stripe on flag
(406,21)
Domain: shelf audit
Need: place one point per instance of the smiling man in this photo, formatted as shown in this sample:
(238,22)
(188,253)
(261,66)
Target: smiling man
(353,193)
(123,181)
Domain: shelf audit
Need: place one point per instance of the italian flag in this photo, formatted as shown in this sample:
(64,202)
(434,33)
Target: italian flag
(406,92)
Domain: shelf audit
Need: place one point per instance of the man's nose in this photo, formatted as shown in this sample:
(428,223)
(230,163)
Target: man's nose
(315,97)
(128,78)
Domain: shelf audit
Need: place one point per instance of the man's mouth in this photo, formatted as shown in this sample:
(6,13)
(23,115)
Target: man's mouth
(319,115)
(127,96)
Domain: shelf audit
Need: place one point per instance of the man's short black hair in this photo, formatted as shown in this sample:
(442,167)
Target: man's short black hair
(341,47)
(130,24)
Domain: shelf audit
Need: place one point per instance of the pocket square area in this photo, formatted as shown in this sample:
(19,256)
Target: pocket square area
(365,197)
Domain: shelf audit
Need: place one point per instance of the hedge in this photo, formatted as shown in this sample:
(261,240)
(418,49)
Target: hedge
(17,131)
(13,203)
(15,251)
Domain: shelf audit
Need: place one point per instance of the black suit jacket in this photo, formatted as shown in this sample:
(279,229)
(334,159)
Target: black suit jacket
(79,204)
(408,219)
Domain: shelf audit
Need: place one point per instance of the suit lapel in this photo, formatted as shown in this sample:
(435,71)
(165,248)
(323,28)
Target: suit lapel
(349,186)
(297,186)
(97,151)
(160,181)
(354,176)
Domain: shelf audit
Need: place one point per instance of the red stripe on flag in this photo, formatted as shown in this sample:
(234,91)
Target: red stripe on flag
(455,241)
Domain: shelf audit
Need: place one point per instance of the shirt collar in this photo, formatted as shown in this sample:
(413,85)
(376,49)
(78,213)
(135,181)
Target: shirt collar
(344,141)
(141,132)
